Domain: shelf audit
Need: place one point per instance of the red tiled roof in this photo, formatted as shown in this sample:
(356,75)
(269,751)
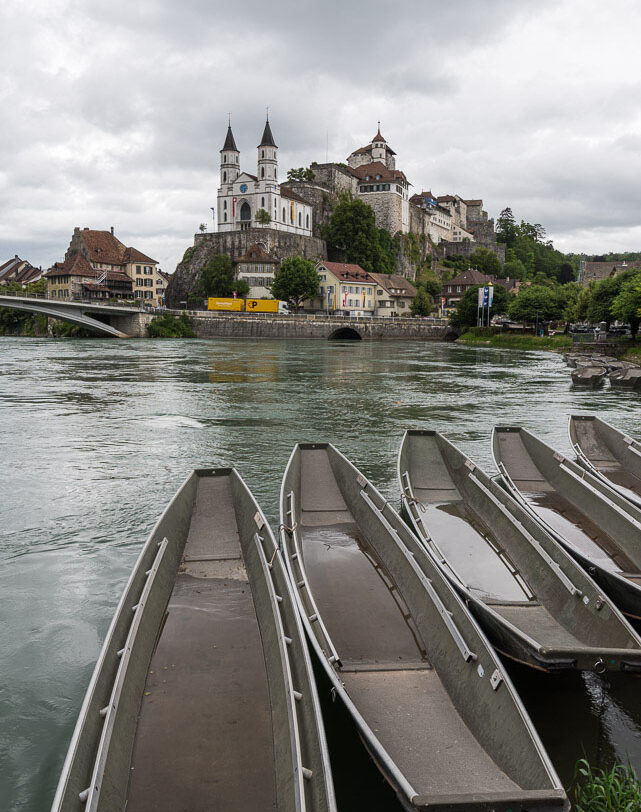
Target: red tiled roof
(377,168)
(285,191)
(134,255)
(74,265)
(445,198)
(347,272)
(256,254)
(470,277)
(396,281)
(103,247)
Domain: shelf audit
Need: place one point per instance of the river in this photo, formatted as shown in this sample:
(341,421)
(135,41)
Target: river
(96,436)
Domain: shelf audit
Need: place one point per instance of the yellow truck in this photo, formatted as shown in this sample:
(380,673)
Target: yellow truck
(248,305)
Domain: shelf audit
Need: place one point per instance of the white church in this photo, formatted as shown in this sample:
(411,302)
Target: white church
(241,196)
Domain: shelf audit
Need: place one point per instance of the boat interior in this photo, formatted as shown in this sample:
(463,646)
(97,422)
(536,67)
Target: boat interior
(593,441)
(384,660)
(564,516)
(468,545)
(204,730)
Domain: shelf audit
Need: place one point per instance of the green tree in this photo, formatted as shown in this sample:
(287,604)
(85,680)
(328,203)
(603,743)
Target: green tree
(217,279)
(466,313)
(421,304)
(432,287)
(296,281)
(566,273)
(457,262)
(626,306)
(352,233)
(301,174)
(602,298)
(263,217)
(506,226)
(485,261)
(202,227)
(536,303)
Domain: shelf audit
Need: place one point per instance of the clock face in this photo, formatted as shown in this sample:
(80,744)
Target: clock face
(243,187)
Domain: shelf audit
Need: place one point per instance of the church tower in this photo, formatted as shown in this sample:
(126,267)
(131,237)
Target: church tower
(267,160)
(229,159)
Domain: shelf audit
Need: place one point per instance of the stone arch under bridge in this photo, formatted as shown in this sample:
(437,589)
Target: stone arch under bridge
(346,333)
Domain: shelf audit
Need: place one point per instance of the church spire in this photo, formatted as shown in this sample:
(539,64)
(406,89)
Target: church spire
(268,139)
(229,144)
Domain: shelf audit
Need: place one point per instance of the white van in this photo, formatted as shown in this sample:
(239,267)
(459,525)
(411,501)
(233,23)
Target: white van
(283,309)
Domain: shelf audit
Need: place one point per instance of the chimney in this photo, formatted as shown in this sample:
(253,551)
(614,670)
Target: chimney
(112,231)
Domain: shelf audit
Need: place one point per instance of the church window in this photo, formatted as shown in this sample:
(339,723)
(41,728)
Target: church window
(224,217)
(262,202)
(224,204)
(262,171)
(224,177)
(307,221)
(284,216)
(262,153)
(300,219)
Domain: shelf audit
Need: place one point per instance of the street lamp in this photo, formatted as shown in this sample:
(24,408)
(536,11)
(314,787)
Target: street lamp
(213,216)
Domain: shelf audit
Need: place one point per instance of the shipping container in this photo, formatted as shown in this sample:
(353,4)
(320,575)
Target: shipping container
(261,305)
(225,304)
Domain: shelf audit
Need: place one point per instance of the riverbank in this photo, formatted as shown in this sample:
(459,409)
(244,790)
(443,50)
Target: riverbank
(510,341)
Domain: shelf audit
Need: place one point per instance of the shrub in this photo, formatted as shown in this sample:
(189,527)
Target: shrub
(169,326)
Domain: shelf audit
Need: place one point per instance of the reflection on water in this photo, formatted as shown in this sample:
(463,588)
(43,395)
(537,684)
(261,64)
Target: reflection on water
(97,435)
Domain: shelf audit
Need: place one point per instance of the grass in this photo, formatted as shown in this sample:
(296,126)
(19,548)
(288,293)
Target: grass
(633,354)
(514,341)
(614,790)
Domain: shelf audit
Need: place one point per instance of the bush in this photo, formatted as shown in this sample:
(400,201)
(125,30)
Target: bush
(614,790)
(169,326)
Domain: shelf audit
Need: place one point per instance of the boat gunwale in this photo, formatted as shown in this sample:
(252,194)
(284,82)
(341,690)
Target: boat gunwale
(386,763)
(547,653)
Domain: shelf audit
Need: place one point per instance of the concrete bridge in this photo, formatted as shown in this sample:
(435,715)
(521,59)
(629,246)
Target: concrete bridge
(106,320)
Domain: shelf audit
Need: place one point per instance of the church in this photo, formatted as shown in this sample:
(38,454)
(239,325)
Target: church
(258,201)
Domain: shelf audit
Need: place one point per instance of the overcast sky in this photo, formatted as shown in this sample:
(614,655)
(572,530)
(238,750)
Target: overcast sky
(114,112)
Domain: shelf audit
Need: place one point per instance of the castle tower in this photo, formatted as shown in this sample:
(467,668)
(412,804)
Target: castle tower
(379,150)
(229,159)
(267,160)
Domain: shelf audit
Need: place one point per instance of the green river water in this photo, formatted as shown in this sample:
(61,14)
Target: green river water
(97,435)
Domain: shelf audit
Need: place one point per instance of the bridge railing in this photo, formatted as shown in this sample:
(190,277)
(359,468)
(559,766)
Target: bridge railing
(23,294)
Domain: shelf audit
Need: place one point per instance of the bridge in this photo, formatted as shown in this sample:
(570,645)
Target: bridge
(105,320)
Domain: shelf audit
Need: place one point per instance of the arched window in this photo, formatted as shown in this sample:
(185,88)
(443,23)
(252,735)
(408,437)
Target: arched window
(224,177)
(245,211)
(262,202)
(284,215)
(224,217)
(307,221)
(225,205)
(262,153)
(262,171)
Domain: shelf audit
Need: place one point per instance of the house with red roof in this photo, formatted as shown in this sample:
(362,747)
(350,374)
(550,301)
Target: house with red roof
(97,265)
(345,288)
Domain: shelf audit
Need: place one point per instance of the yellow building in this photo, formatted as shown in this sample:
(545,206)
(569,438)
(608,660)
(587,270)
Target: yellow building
(346,288)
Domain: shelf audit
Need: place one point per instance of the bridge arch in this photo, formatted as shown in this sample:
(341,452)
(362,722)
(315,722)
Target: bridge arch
(348,333)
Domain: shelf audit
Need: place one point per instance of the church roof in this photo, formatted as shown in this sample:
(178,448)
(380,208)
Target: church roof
(285,191)
(268,139)
(230,143)
(379,137)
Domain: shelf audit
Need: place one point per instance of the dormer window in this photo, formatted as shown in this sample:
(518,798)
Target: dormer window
(378,177)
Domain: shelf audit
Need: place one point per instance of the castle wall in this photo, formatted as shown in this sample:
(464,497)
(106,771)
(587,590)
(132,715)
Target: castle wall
(280,244)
